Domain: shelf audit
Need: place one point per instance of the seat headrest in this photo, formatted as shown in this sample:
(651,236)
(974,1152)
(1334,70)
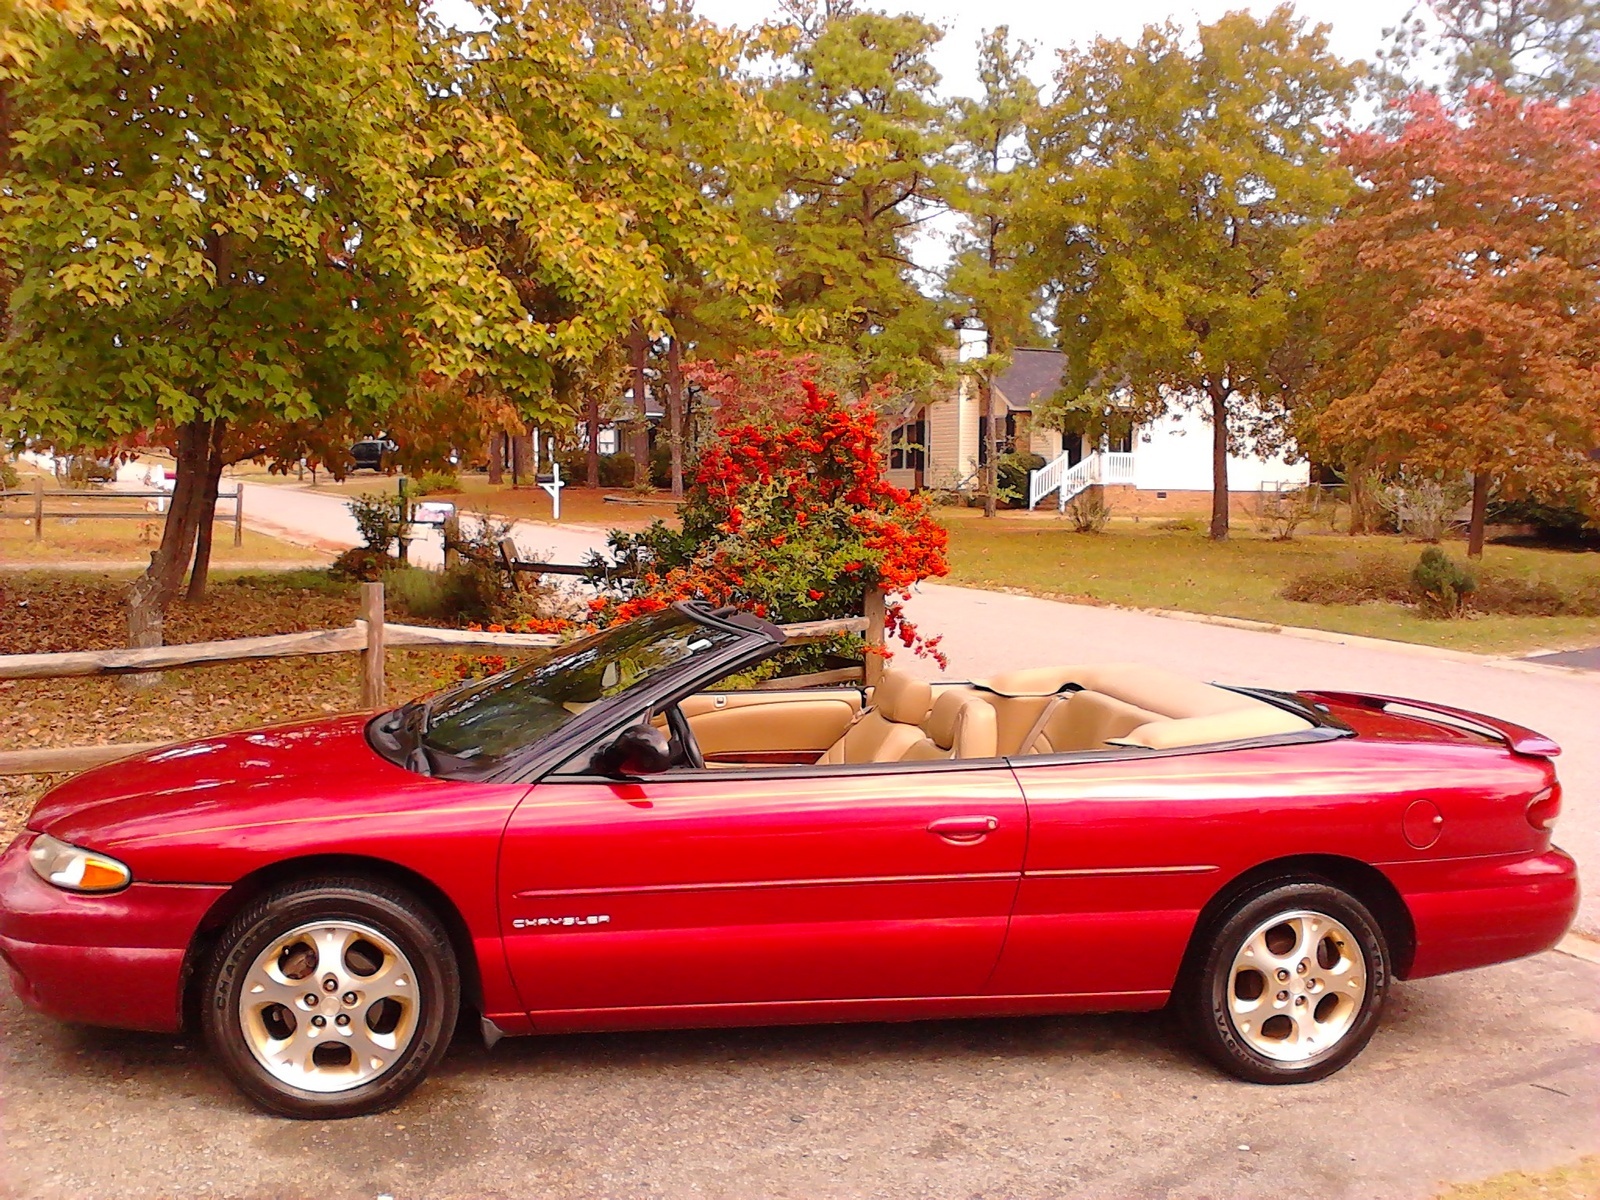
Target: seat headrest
(941,722)
(975,732)
(902,698)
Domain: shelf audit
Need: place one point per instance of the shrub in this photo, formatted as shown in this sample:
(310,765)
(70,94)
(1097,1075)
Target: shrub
(1444,584)
(377,521)
(791,519)
(1011,477)
(1365,581)
(9,479)
(360,563)
(1426,508)
(434,482)
(661,466)
(1280,513)
(616,470)
(1088,511)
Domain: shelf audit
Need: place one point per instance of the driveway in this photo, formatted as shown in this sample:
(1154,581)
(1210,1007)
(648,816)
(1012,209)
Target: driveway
(1469,1076)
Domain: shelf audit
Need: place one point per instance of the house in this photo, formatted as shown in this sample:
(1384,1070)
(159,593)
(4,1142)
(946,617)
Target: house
(1154,467)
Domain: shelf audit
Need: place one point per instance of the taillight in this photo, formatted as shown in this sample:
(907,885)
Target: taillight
(1545,807)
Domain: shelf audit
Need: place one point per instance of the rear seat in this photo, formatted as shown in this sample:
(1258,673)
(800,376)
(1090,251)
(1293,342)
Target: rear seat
(1085,721)
(960,726)
(1133,704)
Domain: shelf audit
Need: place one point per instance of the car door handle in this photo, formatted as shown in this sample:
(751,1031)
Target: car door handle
(964,829)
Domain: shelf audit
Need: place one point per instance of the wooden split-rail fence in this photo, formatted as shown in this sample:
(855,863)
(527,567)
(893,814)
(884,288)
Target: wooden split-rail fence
(38,513)
(371,637)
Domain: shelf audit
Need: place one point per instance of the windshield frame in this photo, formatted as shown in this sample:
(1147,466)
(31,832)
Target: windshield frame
(755,640)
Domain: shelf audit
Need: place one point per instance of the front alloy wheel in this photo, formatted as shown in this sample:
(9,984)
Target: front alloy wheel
(331,998)
(1291,985)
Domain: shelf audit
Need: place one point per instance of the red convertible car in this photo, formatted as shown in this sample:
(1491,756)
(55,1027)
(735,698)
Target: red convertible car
(618,837)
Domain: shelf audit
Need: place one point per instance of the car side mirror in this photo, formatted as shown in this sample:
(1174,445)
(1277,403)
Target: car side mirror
(637,750)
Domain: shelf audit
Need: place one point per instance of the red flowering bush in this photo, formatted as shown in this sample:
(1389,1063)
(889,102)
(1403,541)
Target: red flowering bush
(792,520)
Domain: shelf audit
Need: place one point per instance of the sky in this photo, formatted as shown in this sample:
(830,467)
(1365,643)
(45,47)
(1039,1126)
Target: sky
(1357,25)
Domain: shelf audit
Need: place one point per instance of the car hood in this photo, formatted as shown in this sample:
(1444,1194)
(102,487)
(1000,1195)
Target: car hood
(200,780)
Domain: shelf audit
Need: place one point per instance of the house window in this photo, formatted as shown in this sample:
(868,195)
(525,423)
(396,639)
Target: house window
(607,441)
(908,447)
(1122,443)
(1008,437)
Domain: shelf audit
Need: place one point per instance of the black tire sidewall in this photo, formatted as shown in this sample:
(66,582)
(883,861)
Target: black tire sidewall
(1207,1006)
(392,913)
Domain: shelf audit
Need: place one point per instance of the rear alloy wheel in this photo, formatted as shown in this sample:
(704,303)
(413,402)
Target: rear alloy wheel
(331,998)
(1291,985)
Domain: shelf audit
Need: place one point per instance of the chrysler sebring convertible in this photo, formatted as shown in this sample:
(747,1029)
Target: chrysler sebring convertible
(622,836)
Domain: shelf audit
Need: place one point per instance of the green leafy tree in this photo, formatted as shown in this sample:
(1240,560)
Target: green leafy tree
(206,216)
(840,222)
(989,273)
(1177,180)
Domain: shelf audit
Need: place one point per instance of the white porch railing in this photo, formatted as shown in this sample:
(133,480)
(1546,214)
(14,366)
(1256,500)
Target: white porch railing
(1067,481)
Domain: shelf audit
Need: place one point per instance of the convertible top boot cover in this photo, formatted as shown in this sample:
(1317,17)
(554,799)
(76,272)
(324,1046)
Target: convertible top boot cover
(900,703)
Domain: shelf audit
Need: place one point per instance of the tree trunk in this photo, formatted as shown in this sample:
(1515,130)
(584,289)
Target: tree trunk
(497,457)
(1219,461)
(989,477)
(675,413)
(591,457)
(639,350)
(206,522)
(154,591)
(1480,512)
(521,458)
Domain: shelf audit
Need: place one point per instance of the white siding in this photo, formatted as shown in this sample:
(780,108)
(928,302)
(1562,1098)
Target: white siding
(1174,454)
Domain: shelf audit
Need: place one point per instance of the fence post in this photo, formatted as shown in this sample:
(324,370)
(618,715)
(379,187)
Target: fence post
(238,514)
(451,533)
(38,510)
(372,657)
(873,610)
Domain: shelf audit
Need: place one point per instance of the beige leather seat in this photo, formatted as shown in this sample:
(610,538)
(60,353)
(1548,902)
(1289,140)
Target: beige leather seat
(893,724)
(1166,710)
(1086,721)
(960,726)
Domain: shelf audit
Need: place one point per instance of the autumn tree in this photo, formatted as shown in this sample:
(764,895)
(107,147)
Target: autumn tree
(990,273)
(1463,302)
(1177,180)
(1547,49)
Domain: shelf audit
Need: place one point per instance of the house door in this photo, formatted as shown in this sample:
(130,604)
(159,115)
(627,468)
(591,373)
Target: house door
(1073,444)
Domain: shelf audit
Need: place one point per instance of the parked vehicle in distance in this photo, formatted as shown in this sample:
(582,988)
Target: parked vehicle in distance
(371,454)
(612,838)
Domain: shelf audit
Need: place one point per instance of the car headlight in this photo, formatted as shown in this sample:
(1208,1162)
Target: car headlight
(76,869)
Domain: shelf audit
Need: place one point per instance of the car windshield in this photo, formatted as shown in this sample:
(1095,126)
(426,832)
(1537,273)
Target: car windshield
(491,719)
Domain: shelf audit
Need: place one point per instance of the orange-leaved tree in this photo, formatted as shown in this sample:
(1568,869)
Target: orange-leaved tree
(1462,285)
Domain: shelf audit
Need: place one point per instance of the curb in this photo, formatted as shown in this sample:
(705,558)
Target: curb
(1580,946)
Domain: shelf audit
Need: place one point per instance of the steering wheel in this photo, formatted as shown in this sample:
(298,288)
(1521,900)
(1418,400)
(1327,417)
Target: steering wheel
(685,750)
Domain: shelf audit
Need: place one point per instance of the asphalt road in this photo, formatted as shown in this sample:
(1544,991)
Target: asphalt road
(1469,1076)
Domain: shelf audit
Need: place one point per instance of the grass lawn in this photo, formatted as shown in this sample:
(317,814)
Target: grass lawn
(1576,1181)
(1144,567)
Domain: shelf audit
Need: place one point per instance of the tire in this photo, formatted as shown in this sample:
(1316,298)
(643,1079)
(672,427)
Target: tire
(331,997)
(1290,984)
